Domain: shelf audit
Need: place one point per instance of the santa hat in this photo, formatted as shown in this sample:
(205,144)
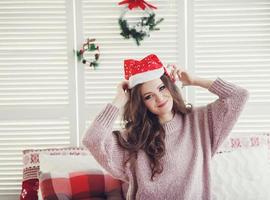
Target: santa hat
(147,69)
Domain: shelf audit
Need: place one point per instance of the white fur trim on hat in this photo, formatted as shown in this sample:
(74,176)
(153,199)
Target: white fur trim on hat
(145,76)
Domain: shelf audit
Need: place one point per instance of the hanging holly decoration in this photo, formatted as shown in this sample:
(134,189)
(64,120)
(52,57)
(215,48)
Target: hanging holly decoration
(144,26)
(89,47)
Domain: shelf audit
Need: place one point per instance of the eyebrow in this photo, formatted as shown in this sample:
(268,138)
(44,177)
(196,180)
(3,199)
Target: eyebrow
(151,92)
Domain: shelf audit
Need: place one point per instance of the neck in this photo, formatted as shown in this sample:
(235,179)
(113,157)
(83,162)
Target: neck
(165,118)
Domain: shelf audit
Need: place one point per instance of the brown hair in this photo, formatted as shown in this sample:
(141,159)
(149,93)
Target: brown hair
(143,128)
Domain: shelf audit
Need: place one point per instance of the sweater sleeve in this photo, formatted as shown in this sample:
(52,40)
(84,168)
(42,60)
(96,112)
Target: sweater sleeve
(224,112)
(103,145)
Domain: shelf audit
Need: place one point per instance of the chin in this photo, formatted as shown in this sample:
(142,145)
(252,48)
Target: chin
(167,109)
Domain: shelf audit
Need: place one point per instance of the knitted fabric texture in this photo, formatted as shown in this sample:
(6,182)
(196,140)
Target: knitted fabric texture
(191,141)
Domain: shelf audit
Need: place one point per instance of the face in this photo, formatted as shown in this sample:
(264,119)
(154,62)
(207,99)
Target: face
(157,98)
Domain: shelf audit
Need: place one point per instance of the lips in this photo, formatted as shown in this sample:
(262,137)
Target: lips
(163,104)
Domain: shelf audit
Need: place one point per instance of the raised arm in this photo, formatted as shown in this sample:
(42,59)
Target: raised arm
(100,140)
(102,144)
(225,111)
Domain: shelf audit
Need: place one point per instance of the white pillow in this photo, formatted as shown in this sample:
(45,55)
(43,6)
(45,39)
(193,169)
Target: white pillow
(241,174)
(64,164)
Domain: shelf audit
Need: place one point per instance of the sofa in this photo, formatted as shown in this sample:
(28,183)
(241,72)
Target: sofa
(240,170)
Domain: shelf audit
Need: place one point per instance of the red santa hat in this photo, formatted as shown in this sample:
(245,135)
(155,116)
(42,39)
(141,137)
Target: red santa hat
(140,71)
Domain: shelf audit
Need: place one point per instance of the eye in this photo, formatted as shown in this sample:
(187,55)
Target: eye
(162,87)
(147,97)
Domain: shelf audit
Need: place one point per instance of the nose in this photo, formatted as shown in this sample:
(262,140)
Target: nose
(159,98)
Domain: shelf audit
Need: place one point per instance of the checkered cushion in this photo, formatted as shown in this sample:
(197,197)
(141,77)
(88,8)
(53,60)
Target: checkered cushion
(79,186)
(31,167)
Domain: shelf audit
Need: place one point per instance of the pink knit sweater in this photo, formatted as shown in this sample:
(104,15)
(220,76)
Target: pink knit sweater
(191,140)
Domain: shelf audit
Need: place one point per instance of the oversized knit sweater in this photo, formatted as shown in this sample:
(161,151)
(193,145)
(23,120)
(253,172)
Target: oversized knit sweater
(191,141)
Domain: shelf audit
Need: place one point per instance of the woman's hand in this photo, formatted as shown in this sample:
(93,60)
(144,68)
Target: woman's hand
(182,75)
(121,96)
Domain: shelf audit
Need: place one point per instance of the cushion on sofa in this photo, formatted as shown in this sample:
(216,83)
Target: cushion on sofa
(240,169)
(83,176)
(31,166)
(80,185)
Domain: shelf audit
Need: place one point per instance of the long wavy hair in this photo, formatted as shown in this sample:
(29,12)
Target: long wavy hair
(143,129)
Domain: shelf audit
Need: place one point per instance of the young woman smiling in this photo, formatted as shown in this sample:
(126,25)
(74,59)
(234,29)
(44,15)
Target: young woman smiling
(165,148)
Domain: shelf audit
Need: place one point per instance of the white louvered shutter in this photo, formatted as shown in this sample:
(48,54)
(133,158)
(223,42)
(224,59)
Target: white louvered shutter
(37,89)
(99,19)
(231,39)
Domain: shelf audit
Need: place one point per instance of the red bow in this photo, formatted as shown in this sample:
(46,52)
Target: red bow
(137,3)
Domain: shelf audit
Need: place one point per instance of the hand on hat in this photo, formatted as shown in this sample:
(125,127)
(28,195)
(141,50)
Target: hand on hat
(121,94)
(181,75)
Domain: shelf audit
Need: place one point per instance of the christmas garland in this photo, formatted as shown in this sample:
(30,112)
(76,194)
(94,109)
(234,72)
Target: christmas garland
(143,27)
(89,46)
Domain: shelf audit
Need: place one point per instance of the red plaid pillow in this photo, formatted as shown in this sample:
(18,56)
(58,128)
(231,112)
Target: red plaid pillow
(80,186)
(30,183)
(31,167)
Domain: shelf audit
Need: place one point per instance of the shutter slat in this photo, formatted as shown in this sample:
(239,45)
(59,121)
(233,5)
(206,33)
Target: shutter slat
(36,81)
(231,40)
(100,18)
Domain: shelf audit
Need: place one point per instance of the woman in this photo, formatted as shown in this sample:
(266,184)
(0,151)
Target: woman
(165,149)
